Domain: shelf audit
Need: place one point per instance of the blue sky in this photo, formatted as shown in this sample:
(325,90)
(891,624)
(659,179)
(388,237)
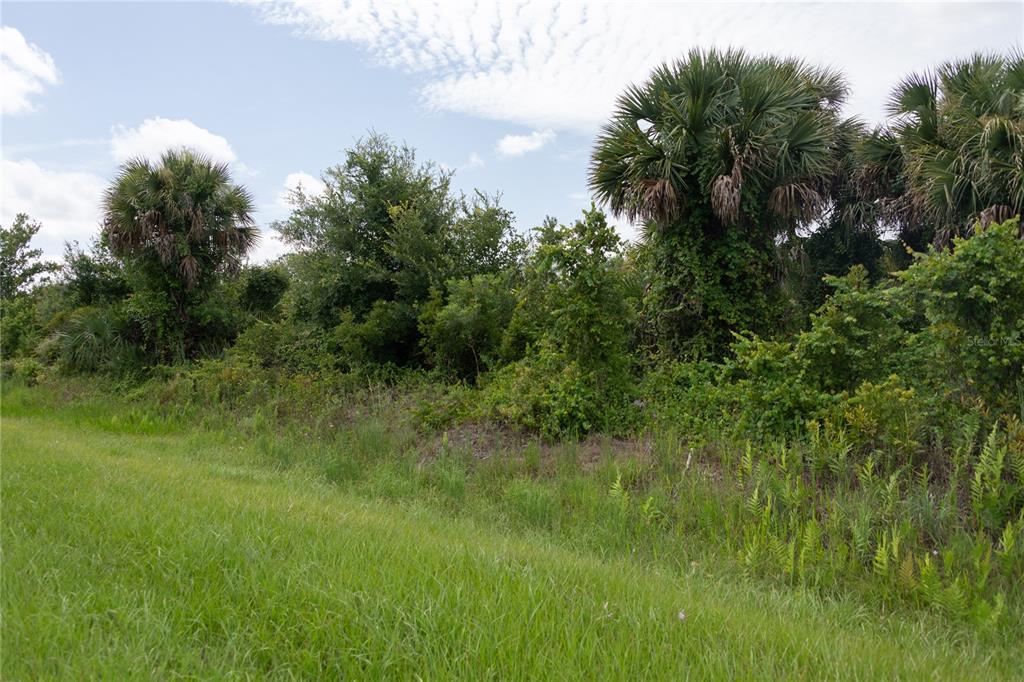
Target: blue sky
(508,95)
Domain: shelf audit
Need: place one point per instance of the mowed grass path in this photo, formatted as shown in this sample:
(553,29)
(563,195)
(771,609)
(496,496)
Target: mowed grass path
(128,556)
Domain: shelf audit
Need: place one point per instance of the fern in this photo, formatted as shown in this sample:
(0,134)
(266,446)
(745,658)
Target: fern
(866,473)
(907,575)
(618,491)
(880,563)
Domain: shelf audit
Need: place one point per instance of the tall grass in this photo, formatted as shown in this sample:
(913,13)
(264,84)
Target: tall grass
(183,553)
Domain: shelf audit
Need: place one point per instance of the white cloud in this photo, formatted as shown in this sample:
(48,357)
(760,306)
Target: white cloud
(66,203)
(626,230)
(310,186)
(517,145)
(561,65)
(270,247)
(25,70)
(472,162)
(154,136)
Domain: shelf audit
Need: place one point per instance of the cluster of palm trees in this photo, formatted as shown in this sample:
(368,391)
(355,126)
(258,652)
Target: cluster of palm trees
(761,139)
(721,144)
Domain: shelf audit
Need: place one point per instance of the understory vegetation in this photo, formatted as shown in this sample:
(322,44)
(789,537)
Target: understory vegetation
(113,519)
(808,371)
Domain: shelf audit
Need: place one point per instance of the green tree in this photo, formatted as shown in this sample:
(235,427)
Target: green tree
(94,276)
(572,321)
(262,288)
(953,153)
(462,333)
(386,232)
(723,156)
(20,266)
(177,225)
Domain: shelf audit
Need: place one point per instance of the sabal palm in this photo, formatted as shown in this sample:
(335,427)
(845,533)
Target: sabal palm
(753,137)
(183,213)
(720,154)
(953,153)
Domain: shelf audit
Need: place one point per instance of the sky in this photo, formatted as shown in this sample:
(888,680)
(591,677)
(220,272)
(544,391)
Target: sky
(507,95)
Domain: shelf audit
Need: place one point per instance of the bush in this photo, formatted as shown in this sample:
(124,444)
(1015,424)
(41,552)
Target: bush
(973,299)
(551,393)
(287,345)
(463,334)
(574,317)
(262,288)
(93,340)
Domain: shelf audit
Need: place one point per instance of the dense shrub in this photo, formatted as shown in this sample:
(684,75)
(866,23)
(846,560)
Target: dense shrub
(574,315)
(285,345)
(885,362)
(94,340)
(386,233)
(93,277)
(463,334)
(973,299)
(262,288)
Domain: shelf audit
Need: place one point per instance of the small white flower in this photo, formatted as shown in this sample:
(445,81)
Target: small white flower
(682,615)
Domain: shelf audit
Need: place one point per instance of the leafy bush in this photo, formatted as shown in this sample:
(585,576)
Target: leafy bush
(93,277)
(575,316)
(463,334)
(287,345)
(552,393)
(262,288)
(387,233)
(973,299)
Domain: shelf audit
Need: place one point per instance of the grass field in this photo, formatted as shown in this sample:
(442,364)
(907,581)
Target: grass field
(161,555)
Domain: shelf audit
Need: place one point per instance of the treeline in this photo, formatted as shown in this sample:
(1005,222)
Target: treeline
(800,278)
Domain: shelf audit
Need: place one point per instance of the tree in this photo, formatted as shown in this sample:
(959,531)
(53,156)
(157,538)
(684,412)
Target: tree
(571,327)
(953,152)
(177,225)
(386,233)
(94,276)
(723,156)
(20,265)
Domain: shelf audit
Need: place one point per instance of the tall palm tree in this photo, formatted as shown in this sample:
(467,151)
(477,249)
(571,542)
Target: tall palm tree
(178,224)
(723,154)
(953,151)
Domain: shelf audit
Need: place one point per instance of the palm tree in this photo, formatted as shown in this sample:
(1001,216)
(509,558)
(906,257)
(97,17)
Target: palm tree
(723,156)
(953,152)
(178,224)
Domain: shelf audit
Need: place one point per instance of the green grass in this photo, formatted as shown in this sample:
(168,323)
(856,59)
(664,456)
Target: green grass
(133,549)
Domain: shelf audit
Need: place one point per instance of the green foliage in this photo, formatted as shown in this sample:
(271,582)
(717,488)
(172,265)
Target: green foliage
(946,331)
(973,299)
(574,317)
(831,251)
(386,233)
(295,347)
(93,340)
(93,277)
(20,266)
(262,288)
(553,394)
(952,154)
(705,288)
(19,326)
(463,334)
(719,154)
(177,226)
